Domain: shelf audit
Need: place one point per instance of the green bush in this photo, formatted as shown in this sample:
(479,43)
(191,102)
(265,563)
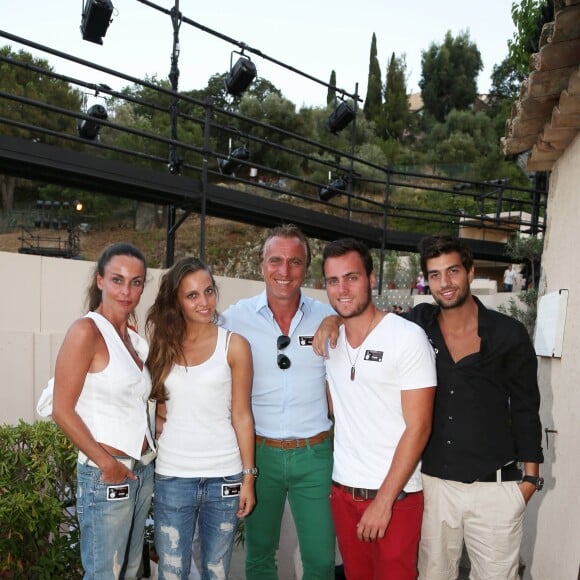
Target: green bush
(39,536)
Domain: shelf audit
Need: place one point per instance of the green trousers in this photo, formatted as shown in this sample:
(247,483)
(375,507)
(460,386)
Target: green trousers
(304,476)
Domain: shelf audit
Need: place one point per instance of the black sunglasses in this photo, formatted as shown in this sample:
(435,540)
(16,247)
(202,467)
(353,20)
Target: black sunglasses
(282,360)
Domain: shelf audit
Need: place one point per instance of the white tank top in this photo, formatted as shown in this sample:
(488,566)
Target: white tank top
(198,439)
(114,402)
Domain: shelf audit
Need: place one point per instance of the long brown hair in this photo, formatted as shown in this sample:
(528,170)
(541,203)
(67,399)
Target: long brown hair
(166,325)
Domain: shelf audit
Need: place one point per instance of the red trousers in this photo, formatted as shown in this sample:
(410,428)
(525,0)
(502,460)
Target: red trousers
(394,557)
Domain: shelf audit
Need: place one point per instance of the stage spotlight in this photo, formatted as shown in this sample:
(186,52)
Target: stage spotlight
(240,76)
(88,129)
(340,117)
(333,189)
(95,20)
(232,163)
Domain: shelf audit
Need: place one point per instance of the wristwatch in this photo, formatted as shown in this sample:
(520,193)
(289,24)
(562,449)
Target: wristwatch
(250,471)
(535,480)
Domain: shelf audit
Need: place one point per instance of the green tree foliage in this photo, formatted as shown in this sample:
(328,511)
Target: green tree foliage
(28,83)
(151,115)
(373,101)
(395,118)
(279,112)
(449,75)
(506,82)
(464,137)
(331,94)
(39,535)
(525,15)
(524,309)
(527,250)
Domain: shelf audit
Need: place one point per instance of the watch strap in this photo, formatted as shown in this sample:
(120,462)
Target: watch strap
(535,480)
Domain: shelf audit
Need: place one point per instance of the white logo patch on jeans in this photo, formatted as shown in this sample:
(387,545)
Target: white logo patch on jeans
(117,492)
(231,489)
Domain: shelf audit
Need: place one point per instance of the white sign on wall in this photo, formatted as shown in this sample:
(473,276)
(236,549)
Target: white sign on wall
(549,337)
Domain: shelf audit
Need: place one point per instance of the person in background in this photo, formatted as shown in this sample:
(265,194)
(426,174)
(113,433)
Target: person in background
(420,283)
(205,469)
(101,392)
(293,445)
(508,279)
(382,384)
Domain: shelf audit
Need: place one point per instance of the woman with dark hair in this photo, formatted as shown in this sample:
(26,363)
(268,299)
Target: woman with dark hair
(202,377)
(101,402)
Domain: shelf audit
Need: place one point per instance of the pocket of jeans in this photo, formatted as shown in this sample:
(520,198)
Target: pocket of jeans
(102,482)
(237,478)
(322,450)
(159,477)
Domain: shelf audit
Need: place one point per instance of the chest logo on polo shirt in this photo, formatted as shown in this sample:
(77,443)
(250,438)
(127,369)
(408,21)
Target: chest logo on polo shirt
(374,355)
(306,340)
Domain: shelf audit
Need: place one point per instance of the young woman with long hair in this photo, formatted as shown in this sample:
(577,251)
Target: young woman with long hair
(202,377)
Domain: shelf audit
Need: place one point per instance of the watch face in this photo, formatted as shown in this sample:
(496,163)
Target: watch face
(540,484)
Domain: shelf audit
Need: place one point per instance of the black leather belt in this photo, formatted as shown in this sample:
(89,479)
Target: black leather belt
(509,472)
(362,494)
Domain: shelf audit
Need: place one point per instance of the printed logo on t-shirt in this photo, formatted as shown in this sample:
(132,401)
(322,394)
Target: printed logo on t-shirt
(306,340)
(374,355)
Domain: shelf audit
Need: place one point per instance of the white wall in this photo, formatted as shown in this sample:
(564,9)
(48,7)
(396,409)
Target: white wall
(39,298)
(551,548)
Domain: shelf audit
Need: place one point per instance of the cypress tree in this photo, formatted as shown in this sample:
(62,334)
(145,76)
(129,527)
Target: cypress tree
(331,95)
(395,118)
(373,100)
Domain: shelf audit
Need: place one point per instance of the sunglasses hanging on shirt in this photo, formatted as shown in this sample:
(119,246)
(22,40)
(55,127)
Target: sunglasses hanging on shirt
(282,360)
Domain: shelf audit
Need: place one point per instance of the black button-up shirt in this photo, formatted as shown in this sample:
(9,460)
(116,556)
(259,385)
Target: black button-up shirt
(487,404)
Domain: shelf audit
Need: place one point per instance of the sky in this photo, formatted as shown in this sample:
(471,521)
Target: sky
(313,36)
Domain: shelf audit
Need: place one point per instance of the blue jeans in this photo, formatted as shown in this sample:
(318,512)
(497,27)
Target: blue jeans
(303,476)
(112,522)
(179,503)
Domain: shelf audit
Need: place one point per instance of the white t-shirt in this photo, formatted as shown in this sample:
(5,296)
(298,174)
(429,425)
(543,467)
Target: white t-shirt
(509,276)
(198,439)
(395,356)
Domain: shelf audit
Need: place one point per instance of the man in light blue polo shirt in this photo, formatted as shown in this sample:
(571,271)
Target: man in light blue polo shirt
(293,447)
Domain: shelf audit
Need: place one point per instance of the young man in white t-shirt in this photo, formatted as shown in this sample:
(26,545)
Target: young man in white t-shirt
(381,378)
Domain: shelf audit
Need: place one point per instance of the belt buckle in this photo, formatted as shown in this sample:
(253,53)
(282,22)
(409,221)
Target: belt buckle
(359,494)
(289,443)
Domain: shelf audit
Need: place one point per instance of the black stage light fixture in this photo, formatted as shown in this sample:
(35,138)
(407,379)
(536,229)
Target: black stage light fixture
(232,163)
(240,76)
(89,129)
(175,163)
(333,189)
(340,117)
(95,20)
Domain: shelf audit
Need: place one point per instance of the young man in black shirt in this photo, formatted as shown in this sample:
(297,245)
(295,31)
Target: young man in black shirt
(486,420)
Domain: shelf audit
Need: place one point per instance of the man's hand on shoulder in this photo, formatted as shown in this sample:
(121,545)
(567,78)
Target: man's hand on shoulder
(327,334)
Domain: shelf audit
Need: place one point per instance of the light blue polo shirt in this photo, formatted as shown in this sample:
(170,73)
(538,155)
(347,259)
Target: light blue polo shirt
(286,403)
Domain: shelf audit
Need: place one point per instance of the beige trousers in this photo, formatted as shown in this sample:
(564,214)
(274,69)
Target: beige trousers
(487,516)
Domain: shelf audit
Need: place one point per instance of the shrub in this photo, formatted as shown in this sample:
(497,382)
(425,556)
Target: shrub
(39,536)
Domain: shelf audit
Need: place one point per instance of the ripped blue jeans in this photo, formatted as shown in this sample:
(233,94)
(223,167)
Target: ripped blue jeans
(180,503)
